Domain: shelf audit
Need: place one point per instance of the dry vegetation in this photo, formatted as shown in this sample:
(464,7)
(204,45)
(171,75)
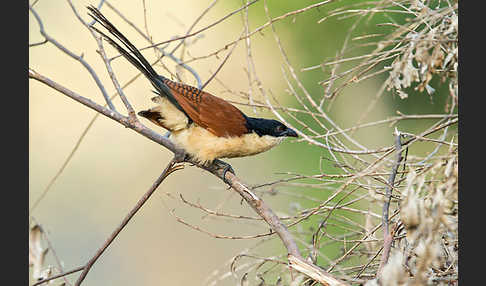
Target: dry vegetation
(390,213)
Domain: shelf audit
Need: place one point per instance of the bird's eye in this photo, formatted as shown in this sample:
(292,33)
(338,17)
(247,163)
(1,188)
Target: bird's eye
(280,128)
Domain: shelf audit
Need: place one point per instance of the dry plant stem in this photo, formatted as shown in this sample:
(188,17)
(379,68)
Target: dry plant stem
(101,51)
(167,171)
(313,271)
(214,235)
(51,249)
(59,275)
(368,263)
(387,238)
(249,60)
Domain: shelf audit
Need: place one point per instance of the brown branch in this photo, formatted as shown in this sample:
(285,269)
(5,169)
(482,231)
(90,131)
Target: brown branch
(387,237)
(167,171)
(38,43)
(59,275)
(125,121)
(101,51)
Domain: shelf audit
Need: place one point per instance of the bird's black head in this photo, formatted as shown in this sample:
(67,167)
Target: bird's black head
(262,126)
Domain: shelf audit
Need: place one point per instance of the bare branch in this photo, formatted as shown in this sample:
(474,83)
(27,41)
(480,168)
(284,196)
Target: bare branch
(387,237)
(171,167)
(78,58)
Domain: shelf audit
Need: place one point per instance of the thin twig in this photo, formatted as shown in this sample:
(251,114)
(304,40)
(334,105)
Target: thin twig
(387,238)
(77,269)
(38,43)
(257,30)
(101,51)
(249,59)
(167,171)
(220,66)
(74,56)
(203,29)
(128,106)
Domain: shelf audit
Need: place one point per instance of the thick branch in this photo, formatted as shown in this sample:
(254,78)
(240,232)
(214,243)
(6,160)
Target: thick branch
(125,121)
(259,206)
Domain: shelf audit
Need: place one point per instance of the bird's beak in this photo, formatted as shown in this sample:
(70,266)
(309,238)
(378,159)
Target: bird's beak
(290,133)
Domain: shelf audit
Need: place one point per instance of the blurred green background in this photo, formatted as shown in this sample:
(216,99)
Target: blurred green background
(114,166)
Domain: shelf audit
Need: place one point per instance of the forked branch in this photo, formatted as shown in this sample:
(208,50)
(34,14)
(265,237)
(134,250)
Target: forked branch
(171,167)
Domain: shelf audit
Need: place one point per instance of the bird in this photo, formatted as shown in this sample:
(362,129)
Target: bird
(205,126)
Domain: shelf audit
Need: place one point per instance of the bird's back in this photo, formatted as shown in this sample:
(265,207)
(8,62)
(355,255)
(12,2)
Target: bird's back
(216,115)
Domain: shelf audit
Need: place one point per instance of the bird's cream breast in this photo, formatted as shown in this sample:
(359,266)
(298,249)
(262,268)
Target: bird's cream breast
(205,147)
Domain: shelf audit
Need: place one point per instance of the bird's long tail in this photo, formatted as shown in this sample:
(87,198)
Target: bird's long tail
(133,55)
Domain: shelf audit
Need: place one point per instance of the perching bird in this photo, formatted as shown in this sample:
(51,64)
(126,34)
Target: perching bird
(205,126)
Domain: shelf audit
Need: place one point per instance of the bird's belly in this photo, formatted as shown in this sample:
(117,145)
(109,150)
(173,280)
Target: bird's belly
(203,146)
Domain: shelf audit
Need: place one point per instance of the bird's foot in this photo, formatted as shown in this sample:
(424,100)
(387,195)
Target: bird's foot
(180,156)
(226,168)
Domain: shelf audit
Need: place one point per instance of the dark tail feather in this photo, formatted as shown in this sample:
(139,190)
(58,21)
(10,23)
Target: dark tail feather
(126,55)
(137,59)
(140,60)
(155,116)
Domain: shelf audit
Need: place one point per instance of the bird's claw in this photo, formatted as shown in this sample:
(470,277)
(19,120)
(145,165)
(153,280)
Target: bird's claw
(226,168)
(180,156)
